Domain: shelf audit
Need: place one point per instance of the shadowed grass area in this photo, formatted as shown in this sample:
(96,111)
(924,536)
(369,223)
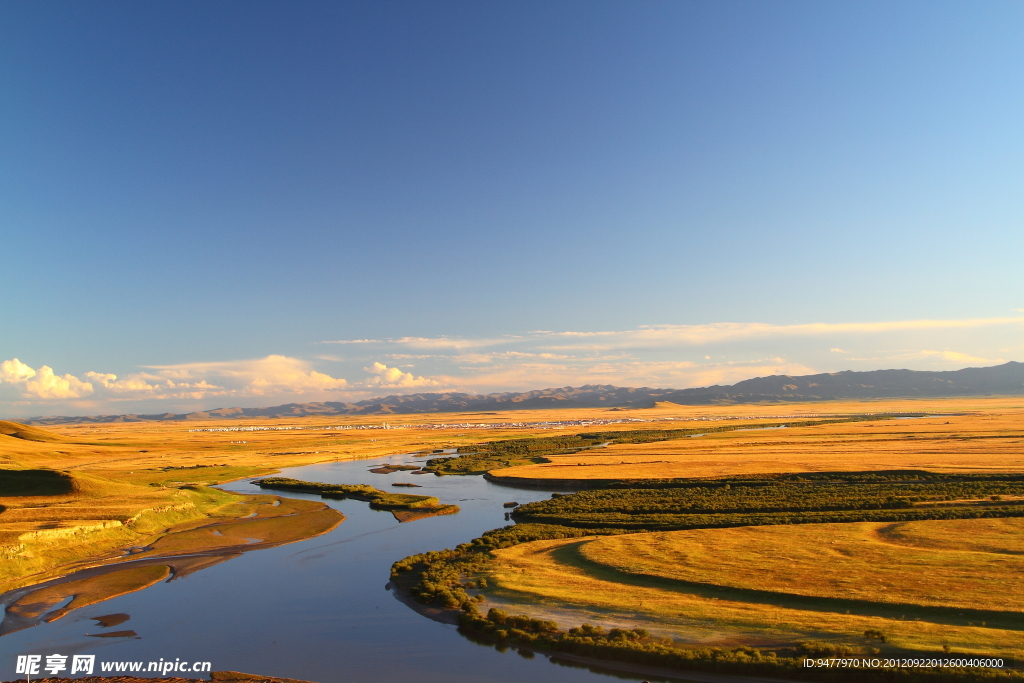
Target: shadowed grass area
(34,483)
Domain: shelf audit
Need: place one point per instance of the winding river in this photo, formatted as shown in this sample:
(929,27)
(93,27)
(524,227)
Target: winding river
(319,609)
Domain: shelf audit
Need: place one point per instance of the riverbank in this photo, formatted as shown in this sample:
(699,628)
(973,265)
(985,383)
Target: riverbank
(257,522)
(451,616)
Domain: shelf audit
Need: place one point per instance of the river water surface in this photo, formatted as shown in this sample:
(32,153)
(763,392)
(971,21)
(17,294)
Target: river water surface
(316,610)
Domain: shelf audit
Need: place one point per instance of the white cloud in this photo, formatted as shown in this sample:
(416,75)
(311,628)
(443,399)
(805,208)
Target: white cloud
(259,377)
(954,357)
(385,377)
(44,384)
(649,336)
(837,350)
(150,385)
(13,371)
(669,336)
(270,376)
(454,343)
(636,373)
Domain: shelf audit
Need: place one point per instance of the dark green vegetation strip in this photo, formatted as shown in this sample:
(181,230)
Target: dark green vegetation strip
(510,452)
(726,503)
(379,500)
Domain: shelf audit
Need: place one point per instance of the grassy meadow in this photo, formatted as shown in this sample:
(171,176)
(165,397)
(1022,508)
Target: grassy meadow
(747,586)
(905,563)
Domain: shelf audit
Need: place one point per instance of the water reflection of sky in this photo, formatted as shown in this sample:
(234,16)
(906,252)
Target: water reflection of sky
(315,610)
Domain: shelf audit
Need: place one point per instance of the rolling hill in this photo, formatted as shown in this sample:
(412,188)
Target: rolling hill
(18,430)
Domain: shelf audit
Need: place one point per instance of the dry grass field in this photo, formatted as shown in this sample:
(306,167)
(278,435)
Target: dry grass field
(987,437)
(962,564)
(746,586)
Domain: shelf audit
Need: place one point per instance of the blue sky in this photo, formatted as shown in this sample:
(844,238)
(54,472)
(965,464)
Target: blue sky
(198,201)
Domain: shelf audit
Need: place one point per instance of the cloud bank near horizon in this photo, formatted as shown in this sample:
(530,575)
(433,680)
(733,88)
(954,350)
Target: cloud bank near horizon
(689,335)
(668,356)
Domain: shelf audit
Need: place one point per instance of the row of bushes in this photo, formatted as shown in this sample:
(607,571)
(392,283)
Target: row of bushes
(717,505)
(777,479)
(590,524)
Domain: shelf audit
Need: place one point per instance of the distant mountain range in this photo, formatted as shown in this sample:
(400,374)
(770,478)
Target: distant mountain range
(1006,379)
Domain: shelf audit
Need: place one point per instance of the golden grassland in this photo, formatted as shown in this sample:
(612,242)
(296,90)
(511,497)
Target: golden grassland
(989,437)
(728,587)
(964,564)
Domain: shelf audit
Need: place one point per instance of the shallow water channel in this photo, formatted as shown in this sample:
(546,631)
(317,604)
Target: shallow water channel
(316,610)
